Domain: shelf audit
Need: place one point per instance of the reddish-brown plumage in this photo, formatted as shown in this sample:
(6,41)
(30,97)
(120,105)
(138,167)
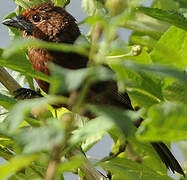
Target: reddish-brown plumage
(55,25)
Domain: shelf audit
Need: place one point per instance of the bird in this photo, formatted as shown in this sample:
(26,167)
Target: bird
(54,24)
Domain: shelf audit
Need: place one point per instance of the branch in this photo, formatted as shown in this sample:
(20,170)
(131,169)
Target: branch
(8,81)
(90,172)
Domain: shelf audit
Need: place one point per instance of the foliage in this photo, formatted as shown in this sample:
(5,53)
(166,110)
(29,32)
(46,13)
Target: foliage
(150,68)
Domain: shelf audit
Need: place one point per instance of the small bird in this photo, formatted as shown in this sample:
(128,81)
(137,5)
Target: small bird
(53,24)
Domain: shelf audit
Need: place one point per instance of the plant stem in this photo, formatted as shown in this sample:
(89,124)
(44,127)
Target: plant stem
(8,81)
(91,173)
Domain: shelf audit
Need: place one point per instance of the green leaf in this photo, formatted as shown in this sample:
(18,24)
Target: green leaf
(61,3)
(12,14)
(6,102)
(141,99)
(139,84)
(73,164)
(176,92)
(172,17)
(21,109)
(165,122)
(98,125)
(92,140)
(166,5)
(83,41)
(183,3)
(15,164)
(19,62)
(146,25)
(122,118)
(171,48)
(4,153)
(166,71)
(33,122)
(23,44)
(13,32)
(127,169)
(89,6)
(40,139)
(148,155)
(66,80)
(27,3)
(142,40)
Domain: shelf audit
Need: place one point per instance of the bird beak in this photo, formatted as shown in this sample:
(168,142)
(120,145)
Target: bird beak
(19,23)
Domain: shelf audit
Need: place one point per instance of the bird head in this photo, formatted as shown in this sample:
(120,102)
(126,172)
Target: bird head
(46,22)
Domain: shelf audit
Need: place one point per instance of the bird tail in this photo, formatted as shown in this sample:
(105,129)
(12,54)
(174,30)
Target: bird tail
(167,157)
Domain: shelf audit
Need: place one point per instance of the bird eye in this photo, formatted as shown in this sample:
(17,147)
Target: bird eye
(36,18)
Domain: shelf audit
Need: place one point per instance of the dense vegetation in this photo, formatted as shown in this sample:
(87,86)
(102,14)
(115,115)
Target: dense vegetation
(150,67)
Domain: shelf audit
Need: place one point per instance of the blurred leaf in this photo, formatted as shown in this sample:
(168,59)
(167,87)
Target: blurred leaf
(166,71)
(61,3)
(176,92)
(7,102)
(82,41)
(148,155)
(171,48)
(40,139)
(140,84)
(116,6)
(66,80)
(24,43)
(18,62)
(146,25)
(166,5)
(15,164)
(91,20)
(165,122)
(119,47)
(21,109)
(5,153)
(73,164)
(92,7)
(89,6)
(12,14)
(122,118)
(92,140)
(183,3)
(30,82)
(115,134)
(172,17)
(141,99)
(143,40)
(126,169)
(33,122)
(27,3)
(13,32)
(97,125)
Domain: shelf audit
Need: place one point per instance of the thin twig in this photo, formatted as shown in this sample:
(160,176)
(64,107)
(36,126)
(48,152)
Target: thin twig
(112,155)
